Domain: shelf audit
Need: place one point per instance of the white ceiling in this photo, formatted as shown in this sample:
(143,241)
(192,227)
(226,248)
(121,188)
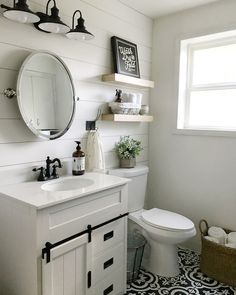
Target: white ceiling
(156,8)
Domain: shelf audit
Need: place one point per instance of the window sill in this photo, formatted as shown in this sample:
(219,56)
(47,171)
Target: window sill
(203,132)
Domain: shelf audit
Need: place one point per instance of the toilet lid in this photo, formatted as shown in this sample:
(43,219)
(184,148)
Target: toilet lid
(167,220)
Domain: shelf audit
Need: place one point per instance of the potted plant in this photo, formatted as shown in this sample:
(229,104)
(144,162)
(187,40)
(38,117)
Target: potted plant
(127,149)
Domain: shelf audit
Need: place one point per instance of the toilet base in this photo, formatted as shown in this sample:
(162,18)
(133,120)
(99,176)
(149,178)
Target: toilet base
(163,259)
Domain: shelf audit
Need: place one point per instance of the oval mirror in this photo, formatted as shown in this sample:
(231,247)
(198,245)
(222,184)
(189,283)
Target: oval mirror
(46,95)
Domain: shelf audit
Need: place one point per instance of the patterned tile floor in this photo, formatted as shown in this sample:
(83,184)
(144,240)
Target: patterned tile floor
(190,281)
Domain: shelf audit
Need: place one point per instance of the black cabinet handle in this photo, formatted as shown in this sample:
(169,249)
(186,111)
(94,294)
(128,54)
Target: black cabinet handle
(108,236)
(108,290)
(108,263)
(89,282)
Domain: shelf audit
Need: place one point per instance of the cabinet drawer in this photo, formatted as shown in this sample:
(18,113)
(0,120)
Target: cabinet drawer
(109,235)
(113,285)
(74,216)
(108,262)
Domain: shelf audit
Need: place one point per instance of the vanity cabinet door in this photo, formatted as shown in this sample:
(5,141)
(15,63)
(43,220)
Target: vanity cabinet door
(69,268)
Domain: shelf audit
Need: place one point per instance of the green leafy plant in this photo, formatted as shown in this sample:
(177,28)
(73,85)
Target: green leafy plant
(128,148)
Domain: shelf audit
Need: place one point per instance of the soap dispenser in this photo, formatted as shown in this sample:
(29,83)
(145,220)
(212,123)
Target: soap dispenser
(78,161)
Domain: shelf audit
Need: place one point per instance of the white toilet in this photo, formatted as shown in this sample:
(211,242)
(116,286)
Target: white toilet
(162,229)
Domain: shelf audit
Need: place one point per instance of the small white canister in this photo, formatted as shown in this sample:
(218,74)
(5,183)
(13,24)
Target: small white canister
(144,109)
(139,97)
(133,98)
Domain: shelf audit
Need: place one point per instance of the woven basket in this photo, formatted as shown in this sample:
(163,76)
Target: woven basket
(217,261)
(125,108)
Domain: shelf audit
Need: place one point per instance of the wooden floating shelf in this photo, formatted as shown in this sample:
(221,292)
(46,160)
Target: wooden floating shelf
(127,118)
(123,79)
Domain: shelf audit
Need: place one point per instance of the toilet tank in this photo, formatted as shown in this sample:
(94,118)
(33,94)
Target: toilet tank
(137,187)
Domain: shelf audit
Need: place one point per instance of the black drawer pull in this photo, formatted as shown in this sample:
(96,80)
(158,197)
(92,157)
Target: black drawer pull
(108,290)
(89,282)
(108,236)
(108,263)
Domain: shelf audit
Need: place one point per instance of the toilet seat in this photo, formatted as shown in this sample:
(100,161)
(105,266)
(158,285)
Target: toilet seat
(166,220)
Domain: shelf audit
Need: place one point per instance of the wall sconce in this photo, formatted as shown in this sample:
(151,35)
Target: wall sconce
(20,12)
(51,23)
(79,32)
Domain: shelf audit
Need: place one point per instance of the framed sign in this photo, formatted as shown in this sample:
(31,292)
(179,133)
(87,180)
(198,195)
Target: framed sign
(125,56)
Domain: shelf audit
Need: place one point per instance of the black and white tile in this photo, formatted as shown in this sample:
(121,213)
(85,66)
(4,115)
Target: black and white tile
(190,281)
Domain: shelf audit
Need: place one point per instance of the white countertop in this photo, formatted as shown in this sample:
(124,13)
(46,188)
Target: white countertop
(33,195)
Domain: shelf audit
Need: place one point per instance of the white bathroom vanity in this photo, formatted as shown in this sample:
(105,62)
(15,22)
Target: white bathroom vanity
(56,240)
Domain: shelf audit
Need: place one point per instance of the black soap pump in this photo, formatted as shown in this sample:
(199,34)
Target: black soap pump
(78,161)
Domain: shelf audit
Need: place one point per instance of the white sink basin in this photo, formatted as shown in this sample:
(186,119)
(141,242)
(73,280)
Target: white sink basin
(68,184)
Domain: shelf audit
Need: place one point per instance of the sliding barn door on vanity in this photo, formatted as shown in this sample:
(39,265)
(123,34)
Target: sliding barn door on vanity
(69,269)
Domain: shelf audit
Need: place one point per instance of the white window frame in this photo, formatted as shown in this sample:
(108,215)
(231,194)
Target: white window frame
(187,48)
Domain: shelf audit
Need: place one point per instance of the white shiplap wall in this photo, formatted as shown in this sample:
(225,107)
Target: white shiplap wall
(87,61)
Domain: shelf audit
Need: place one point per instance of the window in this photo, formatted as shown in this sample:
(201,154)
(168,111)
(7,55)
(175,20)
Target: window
(207,83)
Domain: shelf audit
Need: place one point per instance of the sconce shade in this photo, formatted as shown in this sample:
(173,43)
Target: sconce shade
(20,12)
(79,32)
(52,23)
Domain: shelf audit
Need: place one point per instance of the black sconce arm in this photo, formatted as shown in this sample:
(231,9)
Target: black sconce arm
(48,5)
(73,18)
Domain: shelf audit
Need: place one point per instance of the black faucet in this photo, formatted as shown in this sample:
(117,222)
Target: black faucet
(48,173)
(45,173)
